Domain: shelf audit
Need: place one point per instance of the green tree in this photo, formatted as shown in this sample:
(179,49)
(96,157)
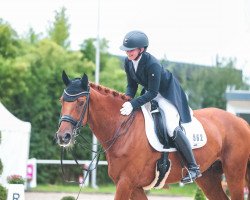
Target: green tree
(110,66)
(59,31)
(13,85)
(88,50)
(113,72)
(206,86)
(8,40)
(31,85)
(32,37)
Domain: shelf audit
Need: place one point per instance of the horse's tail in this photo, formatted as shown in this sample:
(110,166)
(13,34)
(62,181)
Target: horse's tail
(248,172)
(248,179)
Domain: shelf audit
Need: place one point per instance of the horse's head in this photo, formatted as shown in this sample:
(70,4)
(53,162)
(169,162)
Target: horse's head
(75,101)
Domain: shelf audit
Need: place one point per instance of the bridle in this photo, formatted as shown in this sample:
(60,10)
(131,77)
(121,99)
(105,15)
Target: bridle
(77,124)
(67,118)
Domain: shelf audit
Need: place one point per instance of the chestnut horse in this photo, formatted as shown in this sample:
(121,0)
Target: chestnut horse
(131,159)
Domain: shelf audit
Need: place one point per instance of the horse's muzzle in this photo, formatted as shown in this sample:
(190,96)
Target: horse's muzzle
(63,139)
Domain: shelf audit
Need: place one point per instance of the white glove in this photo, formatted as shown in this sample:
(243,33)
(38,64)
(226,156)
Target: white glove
(126,108)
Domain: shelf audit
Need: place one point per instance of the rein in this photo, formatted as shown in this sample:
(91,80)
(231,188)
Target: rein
(117,134)
(127,122)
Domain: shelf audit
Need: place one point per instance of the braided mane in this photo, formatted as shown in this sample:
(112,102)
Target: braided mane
(108,91)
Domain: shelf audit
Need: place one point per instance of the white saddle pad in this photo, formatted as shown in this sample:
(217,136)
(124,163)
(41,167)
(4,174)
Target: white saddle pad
(194,132)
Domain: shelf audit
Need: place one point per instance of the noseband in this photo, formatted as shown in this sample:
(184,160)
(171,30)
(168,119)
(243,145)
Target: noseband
(67,118)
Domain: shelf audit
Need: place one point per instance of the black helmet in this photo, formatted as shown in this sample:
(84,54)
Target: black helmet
(133,40)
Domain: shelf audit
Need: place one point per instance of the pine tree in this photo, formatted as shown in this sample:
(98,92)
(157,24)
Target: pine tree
(59,31)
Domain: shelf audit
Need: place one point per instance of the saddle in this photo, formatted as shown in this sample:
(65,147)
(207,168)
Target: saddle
(160,141)
(160,126)
(163,164)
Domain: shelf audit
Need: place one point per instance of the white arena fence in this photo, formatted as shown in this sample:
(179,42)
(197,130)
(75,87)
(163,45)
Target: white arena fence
(33,162)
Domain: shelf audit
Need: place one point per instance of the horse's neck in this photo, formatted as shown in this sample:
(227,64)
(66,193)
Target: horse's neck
(104,116)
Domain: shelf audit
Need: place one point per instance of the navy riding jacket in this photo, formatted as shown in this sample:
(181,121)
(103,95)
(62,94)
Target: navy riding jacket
(155,79)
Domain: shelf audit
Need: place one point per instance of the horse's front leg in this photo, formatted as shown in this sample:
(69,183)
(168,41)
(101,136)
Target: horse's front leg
(123,189)
(138,194)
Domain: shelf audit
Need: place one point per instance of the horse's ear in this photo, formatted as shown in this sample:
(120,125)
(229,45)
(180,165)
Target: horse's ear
(85,82)
(65,78)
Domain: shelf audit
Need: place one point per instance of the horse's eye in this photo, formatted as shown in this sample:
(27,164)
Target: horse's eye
(81,101)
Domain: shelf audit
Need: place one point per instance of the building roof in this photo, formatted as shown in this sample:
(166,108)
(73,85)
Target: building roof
(238,95)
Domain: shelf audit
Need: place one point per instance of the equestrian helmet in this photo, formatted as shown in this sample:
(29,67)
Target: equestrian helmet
(133,40)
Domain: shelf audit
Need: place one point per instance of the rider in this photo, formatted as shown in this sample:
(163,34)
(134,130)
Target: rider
(159,84)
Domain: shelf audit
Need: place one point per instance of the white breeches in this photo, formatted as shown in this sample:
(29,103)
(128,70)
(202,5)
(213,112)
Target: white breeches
(171,114)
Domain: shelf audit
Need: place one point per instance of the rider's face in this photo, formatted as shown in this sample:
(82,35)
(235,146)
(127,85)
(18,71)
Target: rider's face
(132,54)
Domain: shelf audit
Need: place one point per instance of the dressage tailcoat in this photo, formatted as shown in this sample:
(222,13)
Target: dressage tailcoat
(155,79)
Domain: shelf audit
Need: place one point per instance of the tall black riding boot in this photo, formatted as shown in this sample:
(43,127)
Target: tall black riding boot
(183,146)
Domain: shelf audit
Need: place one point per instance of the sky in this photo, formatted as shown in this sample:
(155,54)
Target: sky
(192,31)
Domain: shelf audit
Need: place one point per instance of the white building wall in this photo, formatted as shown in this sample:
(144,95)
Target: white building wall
(238,107)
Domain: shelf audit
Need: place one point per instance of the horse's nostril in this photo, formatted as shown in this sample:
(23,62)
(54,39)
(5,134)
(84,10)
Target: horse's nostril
(67,137)
(63,139)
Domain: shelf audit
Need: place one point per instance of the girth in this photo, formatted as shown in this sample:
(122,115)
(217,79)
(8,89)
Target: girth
(163,164)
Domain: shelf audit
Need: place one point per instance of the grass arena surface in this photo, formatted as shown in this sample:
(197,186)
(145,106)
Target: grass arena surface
(188,190)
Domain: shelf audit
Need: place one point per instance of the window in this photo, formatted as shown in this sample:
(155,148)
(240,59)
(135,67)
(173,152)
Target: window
(245,116)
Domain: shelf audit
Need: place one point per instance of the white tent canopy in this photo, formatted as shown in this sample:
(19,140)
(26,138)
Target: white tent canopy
(14,144)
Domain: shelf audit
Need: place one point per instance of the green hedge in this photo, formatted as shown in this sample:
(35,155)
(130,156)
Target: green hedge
(199,195)
(68,198)
(1,167)
(3,193)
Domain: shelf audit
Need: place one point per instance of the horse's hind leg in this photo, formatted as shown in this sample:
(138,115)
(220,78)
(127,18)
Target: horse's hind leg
(210,183)
(235,175)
